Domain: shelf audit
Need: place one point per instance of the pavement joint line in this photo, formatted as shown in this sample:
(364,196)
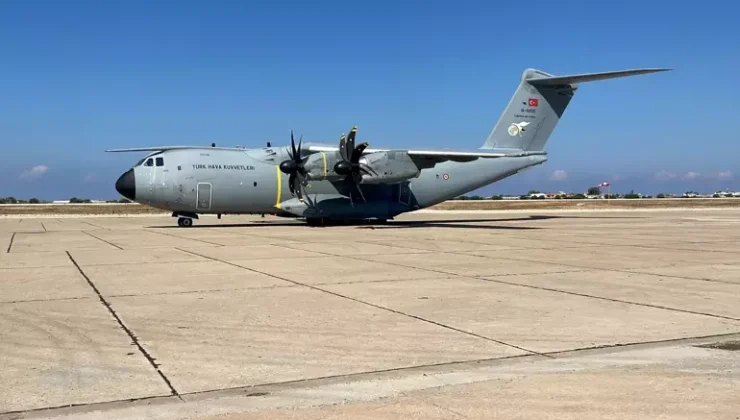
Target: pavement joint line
(45,300)
(10,245)
(185,292)
(123,326)
(43,226)
(616,270)
(182,237)
(584,269)
(385,281)
(61,409)
(649,305)
(375,306)
(653,246)
(93,225)
(274,387)
(101,239)
(449,273)
(421,399)
(637,271)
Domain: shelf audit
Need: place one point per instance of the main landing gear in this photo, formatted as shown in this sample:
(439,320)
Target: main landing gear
(184,219)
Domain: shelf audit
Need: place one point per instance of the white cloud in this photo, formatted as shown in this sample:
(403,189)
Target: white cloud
(559,175)
(724,175)
(691,175)
(665,175)
(89,178)
(34,173)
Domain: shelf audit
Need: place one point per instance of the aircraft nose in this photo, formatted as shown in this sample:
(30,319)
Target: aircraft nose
(126,185)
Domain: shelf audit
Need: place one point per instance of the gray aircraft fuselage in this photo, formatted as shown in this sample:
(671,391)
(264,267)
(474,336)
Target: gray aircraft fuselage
(352,181)
(248,181)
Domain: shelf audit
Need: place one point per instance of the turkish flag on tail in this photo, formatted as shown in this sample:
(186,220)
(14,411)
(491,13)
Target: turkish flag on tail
(533,102)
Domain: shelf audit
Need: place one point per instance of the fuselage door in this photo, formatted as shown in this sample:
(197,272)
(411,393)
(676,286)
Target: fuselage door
(203,196)
(148,175)
(404,193)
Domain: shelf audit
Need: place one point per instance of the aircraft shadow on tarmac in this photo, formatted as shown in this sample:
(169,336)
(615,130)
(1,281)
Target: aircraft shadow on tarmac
(446,223)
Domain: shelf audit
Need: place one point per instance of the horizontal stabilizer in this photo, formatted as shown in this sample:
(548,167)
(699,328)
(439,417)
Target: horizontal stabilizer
(587,77)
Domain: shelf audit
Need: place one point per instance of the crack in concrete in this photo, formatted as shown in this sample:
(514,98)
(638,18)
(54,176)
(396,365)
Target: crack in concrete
(123,326)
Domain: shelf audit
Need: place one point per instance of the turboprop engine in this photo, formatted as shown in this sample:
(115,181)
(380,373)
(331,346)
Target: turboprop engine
(388,167)
(378,168)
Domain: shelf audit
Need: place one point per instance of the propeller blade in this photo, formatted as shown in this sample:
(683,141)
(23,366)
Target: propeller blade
(343,148)
(351,143)
(298,154)
(292,145)
(358,152)
(291,179)
(298,187)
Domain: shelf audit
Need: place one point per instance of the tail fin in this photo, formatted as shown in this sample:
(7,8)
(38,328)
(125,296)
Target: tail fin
(537,106)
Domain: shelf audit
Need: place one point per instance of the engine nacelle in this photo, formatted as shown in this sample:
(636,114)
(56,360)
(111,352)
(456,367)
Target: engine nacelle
(320,166)
(388,167)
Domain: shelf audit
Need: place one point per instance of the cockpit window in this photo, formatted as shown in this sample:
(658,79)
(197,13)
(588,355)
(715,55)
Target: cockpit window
(149,162)
(160,161)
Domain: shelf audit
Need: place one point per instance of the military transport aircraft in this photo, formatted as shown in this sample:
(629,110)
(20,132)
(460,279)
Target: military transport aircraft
(322,183)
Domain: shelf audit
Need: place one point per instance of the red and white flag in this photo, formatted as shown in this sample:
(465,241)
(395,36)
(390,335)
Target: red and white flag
(533,102)
(604,184)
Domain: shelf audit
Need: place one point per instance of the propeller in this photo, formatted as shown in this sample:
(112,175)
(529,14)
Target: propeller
(294,167)
(349,165)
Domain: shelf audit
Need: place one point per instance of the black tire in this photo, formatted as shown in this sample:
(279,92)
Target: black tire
(185,222)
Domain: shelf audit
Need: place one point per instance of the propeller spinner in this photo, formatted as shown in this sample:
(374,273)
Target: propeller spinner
(349,165)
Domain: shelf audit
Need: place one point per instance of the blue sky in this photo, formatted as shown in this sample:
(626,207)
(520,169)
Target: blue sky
(79,77)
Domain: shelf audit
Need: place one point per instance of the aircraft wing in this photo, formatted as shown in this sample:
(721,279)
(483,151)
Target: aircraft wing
(165,148)
(429,157)
(468,155)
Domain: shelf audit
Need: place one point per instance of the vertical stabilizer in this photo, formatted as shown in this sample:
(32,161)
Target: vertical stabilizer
(537,106)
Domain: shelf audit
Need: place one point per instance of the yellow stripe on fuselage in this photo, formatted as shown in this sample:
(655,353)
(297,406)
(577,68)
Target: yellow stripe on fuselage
(323,155)
(279,187)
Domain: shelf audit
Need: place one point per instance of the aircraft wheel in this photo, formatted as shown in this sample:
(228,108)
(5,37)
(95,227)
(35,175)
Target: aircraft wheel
(185,222)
